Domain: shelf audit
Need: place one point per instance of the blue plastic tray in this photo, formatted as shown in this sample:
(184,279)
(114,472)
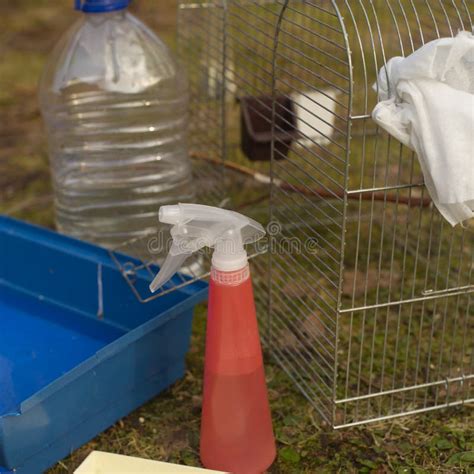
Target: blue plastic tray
(78,351)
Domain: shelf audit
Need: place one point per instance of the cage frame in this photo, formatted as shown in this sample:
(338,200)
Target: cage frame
(228,25)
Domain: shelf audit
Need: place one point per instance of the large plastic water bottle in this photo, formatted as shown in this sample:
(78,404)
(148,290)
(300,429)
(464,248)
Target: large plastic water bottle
(115,106)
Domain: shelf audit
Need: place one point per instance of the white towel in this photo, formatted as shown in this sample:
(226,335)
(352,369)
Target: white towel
(428,105)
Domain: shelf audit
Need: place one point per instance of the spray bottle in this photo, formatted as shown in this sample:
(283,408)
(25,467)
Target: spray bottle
(236,427)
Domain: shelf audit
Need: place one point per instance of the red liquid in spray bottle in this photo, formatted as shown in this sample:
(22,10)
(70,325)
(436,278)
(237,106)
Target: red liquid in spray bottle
(236,428)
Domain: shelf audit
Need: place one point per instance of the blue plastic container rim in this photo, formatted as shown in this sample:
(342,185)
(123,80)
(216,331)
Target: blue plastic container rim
(100,6)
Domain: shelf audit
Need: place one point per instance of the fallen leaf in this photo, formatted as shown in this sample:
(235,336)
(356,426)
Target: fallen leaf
(287,340)
(313,325)
(466,457)
(444,444)
(295,338)
(367,463)
(177,440)
(294,290)
(290,455)
(359,282)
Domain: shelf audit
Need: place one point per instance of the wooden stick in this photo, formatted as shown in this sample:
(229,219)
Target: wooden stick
(318,193)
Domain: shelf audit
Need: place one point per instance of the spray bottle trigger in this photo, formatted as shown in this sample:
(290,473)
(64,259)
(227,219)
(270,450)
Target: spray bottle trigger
(174,261)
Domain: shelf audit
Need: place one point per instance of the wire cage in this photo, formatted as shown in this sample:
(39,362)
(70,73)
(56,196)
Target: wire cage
(364,294)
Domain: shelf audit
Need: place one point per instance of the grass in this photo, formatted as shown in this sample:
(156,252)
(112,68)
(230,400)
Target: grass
(167,428)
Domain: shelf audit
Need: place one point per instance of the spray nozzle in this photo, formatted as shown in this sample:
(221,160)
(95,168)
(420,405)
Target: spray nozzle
(196,226)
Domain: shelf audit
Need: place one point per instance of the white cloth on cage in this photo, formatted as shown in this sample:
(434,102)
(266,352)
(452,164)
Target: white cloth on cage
(427,103)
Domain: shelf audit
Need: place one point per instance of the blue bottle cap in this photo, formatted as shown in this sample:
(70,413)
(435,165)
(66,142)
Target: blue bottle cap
(100,6)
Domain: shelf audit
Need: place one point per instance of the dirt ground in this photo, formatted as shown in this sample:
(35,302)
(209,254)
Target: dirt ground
(167,428)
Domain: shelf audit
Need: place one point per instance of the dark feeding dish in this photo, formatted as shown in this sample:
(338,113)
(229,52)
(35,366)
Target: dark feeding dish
(256,126)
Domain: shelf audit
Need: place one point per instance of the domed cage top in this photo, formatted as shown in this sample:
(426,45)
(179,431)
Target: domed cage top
(364,293)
